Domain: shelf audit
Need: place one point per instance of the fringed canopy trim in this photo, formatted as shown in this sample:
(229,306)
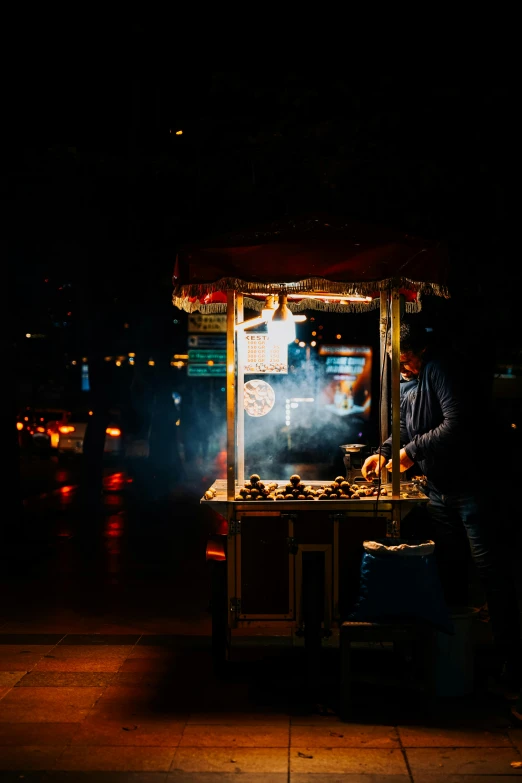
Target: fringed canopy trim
(208,297)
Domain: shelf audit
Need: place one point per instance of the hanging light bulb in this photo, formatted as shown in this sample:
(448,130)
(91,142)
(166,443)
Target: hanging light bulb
(269,308)
(281,327)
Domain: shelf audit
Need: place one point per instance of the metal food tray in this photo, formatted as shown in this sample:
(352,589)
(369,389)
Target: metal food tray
(408,491)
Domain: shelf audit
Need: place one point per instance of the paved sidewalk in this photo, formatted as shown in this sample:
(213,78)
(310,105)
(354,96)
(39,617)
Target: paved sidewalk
(106,675)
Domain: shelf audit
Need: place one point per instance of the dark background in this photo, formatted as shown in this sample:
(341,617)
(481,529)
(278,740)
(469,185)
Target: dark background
(101,192)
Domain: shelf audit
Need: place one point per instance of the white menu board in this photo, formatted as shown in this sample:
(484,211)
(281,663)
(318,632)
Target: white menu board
(262,355)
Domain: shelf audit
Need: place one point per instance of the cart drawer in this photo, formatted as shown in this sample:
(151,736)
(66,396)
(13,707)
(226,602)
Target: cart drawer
(264,567)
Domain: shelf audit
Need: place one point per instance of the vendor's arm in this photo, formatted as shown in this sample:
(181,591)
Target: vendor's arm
(441,441)
(375,462)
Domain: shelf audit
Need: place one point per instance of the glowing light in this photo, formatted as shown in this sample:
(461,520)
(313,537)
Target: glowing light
(132,355)
(114,432)
(108,358)
(28,335)
(118,363)
(181,355)
(90,413)
(19,425)
(74,361)
(215,551)
(210,363)
(314,334)
(281,328)
(131,361)
(179,133)
(178,422)
(84,359)
(65,429)
(338,336)
(302,344)
(313,343)
(151,362)
(40,429)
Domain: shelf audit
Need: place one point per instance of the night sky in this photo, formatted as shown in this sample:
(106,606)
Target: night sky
(102,191)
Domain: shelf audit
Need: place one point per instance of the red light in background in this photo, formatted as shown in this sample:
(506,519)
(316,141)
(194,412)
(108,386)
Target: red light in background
(221,464)
(114,482)
(215,551)
(114,527)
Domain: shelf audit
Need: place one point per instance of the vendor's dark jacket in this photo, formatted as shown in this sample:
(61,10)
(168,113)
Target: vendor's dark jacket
(438,425)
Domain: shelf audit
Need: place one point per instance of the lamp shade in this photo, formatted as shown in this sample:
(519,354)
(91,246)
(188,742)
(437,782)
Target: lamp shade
(281,328)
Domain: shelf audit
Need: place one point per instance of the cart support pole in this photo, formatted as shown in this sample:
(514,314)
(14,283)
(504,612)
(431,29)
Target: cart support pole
(240,413)
(396,393)
(384,369)
(231,395)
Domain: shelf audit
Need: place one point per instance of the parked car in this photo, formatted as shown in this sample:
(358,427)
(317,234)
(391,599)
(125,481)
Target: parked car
(72,434)
(38,428)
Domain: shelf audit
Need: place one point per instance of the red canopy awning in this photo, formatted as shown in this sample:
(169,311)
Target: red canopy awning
(312,255)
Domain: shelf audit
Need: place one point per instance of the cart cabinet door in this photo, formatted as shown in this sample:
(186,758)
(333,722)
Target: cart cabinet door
(264,566)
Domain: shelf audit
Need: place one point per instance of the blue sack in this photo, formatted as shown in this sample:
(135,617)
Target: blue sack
(399,582)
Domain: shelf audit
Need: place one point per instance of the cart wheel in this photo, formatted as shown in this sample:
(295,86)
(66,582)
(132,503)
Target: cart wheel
(219,611)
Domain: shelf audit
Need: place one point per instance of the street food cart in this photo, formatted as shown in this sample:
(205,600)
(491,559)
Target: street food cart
(286,550)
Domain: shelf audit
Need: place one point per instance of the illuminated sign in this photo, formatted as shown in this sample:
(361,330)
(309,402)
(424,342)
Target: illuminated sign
(207,355)
(264,355)
(86,386)
(347,379)
(198,322)
(207,341)
(216,370)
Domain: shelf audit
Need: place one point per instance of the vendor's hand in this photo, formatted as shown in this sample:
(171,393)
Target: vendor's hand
(373,464)
(404,464)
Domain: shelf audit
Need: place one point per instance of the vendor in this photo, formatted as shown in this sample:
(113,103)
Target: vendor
(439,434)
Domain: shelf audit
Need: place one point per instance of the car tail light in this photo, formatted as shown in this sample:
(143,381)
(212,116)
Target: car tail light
(66,429)
(114,432)
(19,425)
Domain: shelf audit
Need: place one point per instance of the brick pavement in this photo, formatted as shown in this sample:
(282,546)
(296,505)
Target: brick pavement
(106,675)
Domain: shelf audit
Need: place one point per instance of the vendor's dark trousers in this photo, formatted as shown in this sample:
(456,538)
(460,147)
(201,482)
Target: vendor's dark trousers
(463,523)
